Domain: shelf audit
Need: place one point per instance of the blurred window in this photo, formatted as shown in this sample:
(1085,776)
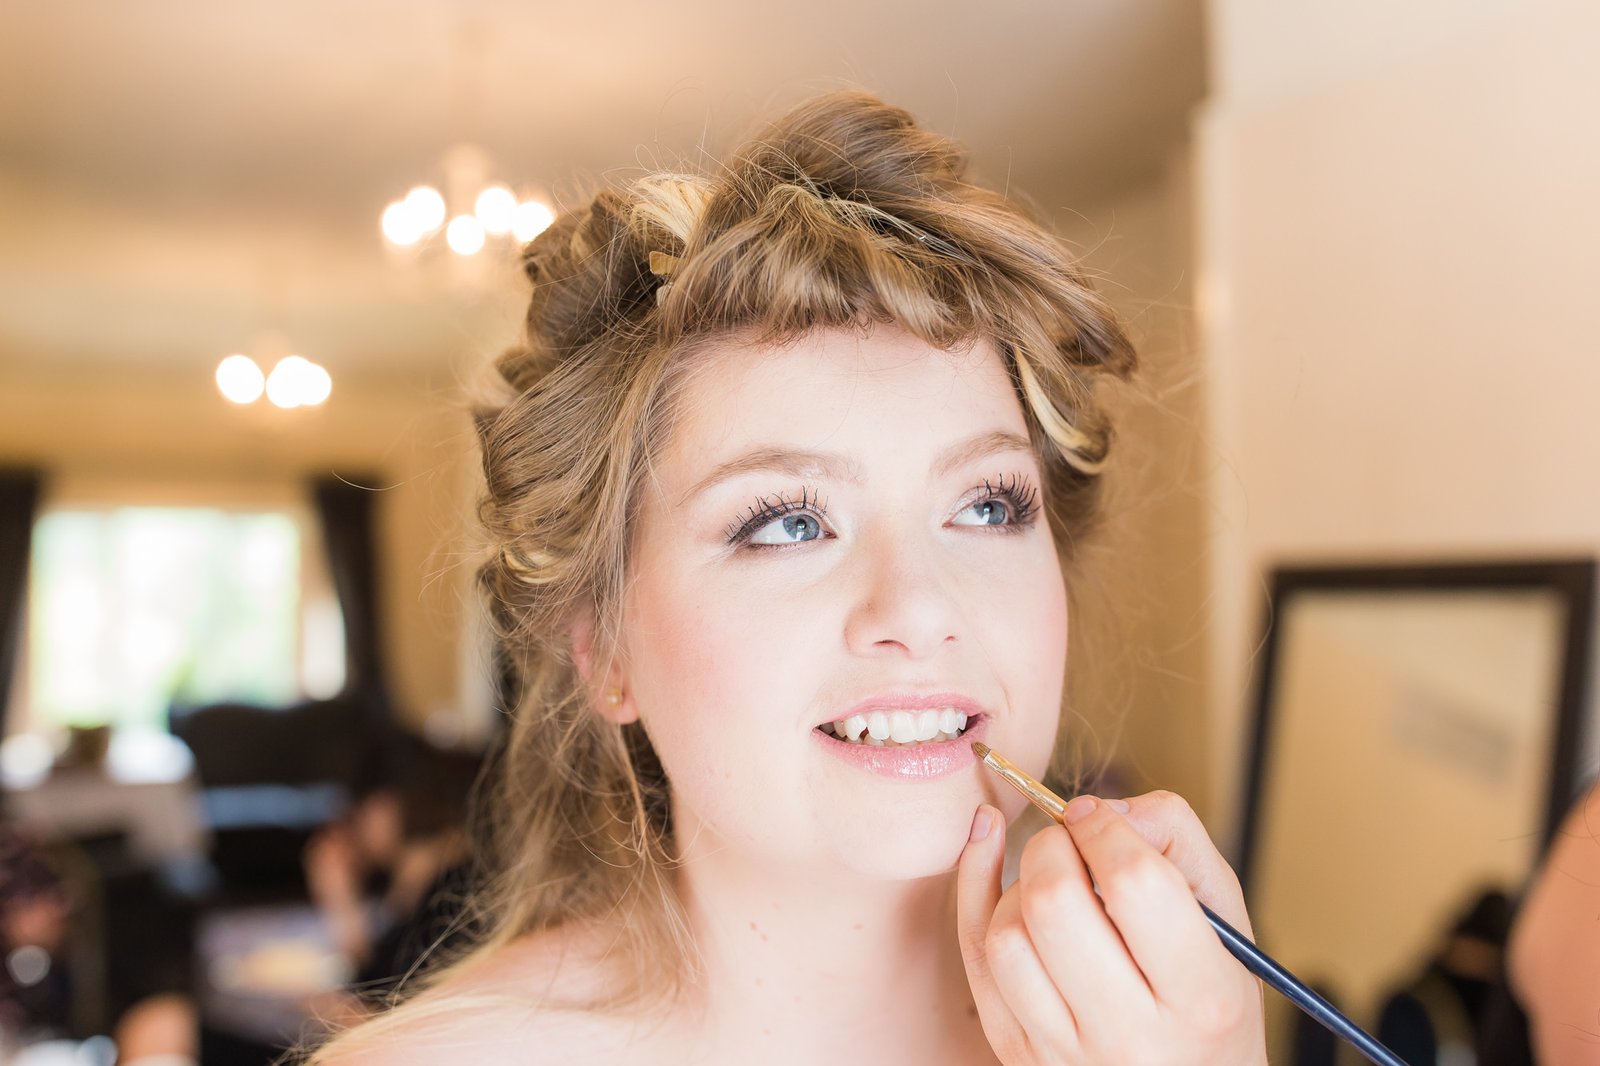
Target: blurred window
(134,608)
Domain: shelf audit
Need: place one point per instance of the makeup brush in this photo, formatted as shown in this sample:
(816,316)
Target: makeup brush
(1254,959)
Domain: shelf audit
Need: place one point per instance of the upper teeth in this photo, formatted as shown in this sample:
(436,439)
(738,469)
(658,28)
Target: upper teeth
(889,728)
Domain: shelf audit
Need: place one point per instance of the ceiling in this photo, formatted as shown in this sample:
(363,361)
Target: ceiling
(177,177)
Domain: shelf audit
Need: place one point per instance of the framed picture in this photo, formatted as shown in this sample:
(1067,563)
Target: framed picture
(1416,741)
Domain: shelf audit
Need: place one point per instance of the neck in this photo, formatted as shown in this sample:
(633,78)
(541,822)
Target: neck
(783,947)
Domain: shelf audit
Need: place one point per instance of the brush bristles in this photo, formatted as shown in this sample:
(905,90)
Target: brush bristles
(980,749)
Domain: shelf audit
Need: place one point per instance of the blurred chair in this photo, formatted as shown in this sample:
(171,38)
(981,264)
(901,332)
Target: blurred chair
(269,778)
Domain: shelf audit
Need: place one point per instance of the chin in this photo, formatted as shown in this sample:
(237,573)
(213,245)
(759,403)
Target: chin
(914,844)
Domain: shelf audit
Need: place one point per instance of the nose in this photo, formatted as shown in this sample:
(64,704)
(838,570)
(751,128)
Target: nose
(901,602)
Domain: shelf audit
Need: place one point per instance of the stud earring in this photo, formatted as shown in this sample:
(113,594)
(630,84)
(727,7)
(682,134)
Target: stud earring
(614,696)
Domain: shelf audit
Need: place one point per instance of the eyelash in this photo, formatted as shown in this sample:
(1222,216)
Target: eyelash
(769,508)
(1017,491)
(1014,490)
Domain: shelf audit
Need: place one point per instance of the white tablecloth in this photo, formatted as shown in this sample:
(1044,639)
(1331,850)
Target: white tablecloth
(146,789)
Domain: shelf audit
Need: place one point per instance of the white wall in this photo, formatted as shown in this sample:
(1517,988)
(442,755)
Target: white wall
(1398,219)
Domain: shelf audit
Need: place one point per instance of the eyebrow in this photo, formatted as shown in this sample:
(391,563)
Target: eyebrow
(801,463)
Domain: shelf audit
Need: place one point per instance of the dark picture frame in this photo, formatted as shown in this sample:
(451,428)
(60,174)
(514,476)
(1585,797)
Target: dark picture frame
(1572,579)
(1415,742)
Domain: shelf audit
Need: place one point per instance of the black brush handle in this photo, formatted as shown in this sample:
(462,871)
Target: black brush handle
(1267,968)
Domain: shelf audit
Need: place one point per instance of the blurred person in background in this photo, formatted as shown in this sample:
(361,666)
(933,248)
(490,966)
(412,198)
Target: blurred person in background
(158,1031)
(35,909)
(391,876)
(36,988)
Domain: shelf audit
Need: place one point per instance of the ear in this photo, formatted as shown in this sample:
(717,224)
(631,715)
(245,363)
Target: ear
(608,694)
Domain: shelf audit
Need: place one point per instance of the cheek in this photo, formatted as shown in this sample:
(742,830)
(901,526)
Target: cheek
(1025,607)
(1043,600)
(696,648)
(714,670)
(1027,640)
(722,673)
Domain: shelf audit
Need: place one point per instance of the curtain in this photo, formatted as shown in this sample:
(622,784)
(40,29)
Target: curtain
(19,496)
(349,529)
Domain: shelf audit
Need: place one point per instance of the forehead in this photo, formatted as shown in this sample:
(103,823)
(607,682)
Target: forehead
(838,391)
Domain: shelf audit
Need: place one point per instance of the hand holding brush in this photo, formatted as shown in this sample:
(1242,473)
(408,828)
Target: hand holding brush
(1099,954)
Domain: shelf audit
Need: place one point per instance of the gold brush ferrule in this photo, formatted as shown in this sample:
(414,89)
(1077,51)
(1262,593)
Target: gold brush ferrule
(1017,778)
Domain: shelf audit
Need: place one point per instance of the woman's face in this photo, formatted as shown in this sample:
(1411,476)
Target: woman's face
(846,525)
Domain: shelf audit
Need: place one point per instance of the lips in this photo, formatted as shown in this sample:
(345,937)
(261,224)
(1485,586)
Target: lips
(906,735)
(916,761)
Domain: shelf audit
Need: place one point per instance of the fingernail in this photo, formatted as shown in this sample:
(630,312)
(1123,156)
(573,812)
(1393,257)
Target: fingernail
(1120,806)
(1079,809)
(982,823)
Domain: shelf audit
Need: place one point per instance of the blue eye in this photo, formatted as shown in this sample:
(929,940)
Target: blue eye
(1010,503)
(989,512)
(790,529)
(775,522)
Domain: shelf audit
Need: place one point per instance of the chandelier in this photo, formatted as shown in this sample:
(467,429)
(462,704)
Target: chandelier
(471,213)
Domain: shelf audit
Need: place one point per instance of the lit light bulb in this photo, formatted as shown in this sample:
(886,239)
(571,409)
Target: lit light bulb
(530,219)
(427,209)
(496,207)
(400,224)
(465,235)
(239,379)
(286,383)
(316,387)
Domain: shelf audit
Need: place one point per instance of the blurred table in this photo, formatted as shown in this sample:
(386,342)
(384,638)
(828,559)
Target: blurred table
(146,789)
(263,969)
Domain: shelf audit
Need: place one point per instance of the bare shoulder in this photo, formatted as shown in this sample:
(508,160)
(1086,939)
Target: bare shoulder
(519,1003)
(1554,958)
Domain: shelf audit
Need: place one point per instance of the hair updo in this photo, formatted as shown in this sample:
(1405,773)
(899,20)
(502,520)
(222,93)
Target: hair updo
(840,215)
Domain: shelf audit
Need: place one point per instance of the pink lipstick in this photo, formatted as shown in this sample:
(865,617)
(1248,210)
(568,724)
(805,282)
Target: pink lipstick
(918,761)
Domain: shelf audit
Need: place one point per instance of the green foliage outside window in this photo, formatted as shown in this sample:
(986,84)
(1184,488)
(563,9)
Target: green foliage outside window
(135,608)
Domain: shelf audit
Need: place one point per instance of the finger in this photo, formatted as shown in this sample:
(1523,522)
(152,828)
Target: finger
(977,895)
(1169,824)
(1081,948)
(1048,1021)
(1154,909)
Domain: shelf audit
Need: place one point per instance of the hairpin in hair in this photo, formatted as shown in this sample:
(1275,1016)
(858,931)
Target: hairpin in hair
(663,265)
